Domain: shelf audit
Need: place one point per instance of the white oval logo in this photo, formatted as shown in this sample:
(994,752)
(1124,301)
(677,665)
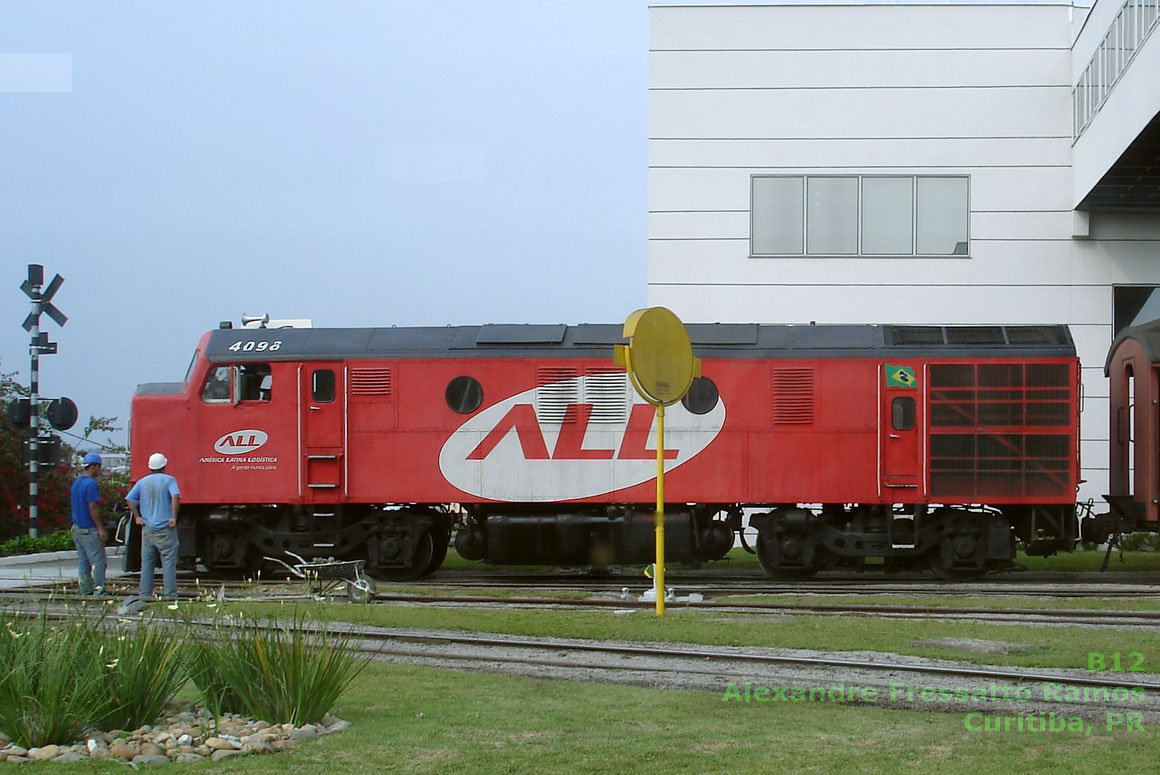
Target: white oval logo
(240,442)
(577,438)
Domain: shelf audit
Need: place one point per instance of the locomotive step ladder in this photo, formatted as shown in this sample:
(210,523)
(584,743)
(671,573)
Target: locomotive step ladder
(325,525)
(904,535)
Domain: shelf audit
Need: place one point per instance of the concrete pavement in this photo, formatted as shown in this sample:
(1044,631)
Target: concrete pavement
(30,570)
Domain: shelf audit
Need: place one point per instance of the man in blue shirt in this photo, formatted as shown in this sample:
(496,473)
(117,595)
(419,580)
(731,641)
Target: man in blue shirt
(88,531)
(154,501)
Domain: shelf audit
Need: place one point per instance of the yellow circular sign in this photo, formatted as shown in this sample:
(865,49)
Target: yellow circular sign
(660,360)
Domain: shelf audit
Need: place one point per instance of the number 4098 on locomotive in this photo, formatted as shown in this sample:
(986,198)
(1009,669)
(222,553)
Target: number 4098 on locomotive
(918,446)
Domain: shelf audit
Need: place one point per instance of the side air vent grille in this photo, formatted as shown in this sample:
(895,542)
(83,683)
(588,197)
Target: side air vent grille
(370,382)
(556,389)
(793,396)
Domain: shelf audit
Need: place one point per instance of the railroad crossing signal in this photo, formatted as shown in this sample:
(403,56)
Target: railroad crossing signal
(31,288)
(660,363)
(58,411)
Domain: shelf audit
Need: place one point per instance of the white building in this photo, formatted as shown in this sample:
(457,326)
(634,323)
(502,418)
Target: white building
(956,163)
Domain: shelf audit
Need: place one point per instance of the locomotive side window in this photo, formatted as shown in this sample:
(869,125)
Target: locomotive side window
(464,394)
(702,396)
(254,382)
(902,414)
(322,389)
(217,386)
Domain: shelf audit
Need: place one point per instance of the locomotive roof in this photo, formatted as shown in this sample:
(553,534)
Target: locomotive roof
(1147,334)
(721,340)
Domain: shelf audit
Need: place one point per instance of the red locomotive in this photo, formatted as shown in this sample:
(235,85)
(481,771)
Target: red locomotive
(921,445)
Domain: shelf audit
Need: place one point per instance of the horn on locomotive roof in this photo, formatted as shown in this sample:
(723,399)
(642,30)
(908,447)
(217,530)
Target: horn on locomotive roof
(255,321)
(264,321)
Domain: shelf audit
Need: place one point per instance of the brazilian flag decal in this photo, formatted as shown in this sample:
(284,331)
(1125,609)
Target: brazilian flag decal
(900,376)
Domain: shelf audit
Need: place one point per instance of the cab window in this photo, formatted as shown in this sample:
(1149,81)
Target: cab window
(217,386)
(255,383)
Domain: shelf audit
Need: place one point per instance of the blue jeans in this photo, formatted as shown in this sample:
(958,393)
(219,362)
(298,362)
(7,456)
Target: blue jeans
(163,541)
(90,559)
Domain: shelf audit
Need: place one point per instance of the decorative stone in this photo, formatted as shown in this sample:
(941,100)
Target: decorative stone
(261,747)
(224,753)
(184,740)
(221,744)
(338,726)
(17,750)
(152,749)
(100,753)
(123,750)
(70,756)
(284,744)
(188,757)
(307,732)
(18,759)
(151,759)
(44,753)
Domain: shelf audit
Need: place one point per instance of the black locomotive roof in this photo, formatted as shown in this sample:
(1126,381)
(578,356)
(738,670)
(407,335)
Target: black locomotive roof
(717,340)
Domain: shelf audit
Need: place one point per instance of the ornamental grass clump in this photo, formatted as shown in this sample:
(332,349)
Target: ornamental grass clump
(146,666)
(283,672)
(52,679)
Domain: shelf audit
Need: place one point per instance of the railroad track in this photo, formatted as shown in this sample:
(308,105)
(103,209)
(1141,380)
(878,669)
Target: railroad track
(1064,617)
(604,597)
(900,683)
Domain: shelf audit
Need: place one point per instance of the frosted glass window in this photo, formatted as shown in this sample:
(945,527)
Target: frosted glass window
(777,216)
(832,216)
(888,216)
(853,215)
(942,216)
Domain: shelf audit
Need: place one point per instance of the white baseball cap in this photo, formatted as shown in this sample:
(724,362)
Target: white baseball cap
(157,461)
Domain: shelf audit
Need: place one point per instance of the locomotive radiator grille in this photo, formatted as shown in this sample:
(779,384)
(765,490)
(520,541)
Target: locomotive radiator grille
(1001,430)
(793,396)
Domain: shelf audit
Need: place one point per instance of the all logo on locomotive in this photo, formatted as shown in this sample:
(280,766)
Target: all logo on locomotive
(917,446)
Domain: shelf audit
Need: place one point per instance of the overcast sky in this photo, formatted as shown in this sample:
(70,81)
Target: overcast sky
(358,163)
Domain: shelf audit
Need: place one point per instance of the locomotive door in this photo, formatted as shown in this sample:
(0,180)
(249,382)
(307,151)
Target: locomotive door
(323,402)
(900,428)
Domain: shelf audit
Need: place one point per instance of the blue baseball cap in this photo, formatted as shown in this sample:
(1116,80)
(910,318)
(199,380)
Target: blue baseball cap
(92,459)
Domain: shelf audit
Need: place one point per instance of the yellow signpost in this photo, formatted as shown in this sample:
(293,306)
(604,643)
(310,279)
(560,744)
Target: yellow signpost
(660,363)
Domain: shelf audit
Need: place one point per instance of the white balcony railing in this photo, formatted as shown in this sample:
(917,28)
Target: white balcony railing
(1127,33)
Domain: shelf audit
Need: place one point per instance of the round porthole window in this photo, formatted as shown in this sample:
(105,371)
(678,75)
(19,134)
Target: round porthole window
(464,394)
(702,396)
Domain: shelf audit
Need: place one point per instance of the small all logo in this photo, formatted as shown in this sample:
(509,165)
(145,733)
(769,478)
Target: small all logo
(240,442)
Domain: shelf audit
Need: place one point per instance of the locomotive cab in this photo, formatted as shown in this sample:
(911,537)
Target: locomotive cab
(1133,371)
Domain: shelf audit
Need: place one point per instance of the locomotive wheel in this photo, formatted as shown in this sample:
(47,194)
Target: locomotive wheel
(767,559)
(420,560)
(441,539)
(940,568)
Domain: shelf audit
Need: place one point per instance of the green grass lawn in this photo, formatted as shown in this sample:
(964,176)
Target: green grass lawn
(1037,646)
(420,720)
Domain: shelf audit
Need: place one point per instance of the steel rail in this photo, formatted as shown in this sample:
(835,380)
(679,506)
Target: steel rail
(1081,616)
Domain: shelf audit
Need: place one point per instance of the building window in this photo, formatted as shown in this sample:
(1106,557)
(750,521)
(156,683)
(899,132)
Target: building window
(1134,305)
(853,215)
